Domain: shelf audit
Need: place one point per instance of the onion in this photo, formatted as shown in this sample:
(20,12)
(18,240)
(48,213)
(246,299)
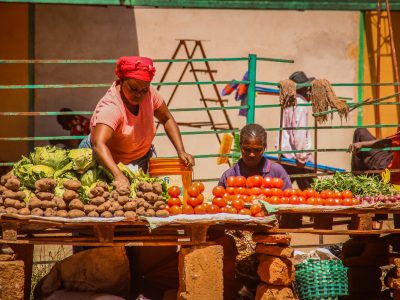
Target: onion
(367,198)
(381,198)
(392,199)
(398,197)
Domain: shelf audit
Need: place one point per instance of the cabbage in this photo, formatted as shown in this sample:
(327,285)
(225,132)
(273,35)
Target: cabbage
(53,157)
(90,177)
(127,172)
(41,171)
(81,159)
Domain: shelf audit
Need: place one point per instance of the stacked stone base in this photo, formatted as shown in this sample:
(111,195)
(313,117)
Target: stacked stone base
(392,279)
(275,269)
(12,278)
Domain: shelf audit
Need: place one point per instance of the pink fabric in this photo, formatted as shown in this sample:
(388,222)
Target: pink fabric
(294,117)
(133,135)
(135,67)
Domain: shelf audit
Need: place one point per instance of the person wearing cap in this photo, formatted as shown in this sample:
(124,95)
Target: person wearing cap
(293,139)
(122,125)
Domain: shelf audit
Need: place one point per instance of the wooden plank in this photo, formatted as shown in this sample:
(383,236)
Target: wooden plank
(199,233)
(104,233)
(362,221)
(323,222)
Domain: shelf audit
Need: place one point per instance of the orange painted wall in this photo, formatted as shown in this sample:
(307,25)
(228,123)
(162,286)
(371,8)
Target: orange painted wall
(13,45)
(388,113)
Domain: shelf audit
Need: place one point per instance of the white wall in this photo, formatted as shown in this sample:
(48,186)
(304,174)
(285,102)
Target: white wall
(323,44)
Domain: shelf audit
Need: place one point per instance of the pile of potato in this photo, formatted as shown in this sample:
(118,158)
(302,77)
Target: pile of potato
(11,199)
(102,203)
(149,200)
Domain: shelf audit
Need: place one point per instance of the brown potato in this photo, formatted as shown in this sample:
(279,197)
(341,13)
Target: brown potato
(37,212)
(107,204)
(45,185)
(123,190)
(61,205)
(150,212)
(116,205)
(89,208)
(139,194)
(13,184)
(97,191)
(107,214)
(130,206)
(49,212)
(114,195)
(93,214)
(76,213)
(160,205)
(24,211)
(112,209)
(47,204)
(157,188)
(34,203)
(45,195)
(2,209)
(19,204)
(4,178)
(119,213)
(68,195)
(76,204)
(62,213)
(8,202)
(11,210)
(106,195)
(103,185)
(131,215)
(162,213)
(72,184)
(141,211)
(101,208)
(9,194)
(122,200)
(97,201)
(145,187)
(150,197)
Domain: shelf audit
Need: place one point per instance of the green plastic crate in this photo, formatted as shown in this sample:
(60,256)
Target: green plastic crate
(321,279)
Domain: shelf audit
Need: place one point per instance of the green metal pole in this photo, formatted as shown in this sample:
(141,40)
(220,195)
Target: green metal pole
(361,67)
(251,92)
(31,72)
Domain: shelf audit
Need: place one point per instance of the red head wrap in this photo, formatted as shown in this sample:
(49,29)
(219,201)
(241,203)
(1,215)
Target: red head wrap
(135,67)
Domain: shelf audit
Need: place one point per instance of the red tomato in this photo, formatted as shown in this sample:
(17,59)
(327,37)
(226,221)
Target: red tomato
(218,191)
(289,192)
(200,209)
(348,201)
(337,194)
(255,191)
(224,209)
(249,182)
(187,210)
(311,201)
(200,197)
(267,182)
(274,200)
(238,204)
(230,190)
(261,197)
(240,191)
(234,197)
(302,200)
(277,182)
(251,198)
(230,181)
(212,209)
(174,201)
(326,194)
(193,201)
(310,193)
(284,200)
(193,191)
(245,198)
(174,191)
(226,195)
(175,210)
(347,194)
(276,192)
(245,211)
(355,201)
(232,210)
(329,201)
(319,201)
(255,208)
(337,201)
(240,181)
(199,185)
(293,200)
(266,191)
(260,214)
(254,181)
(220,202)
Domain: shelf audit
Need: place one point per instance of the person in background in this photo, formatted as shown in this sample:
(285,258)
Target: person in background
(76,125)
(122,125)
(253,142)
(293,139)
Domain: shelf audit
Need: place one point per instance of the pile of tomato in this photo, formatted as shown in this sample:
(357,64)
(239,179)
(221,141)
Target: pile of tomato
(195,203)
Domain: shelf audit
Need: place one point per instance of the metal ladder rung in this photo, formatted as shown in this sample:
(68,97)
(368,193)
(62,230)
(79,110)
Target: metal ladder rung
(214,100)
(205,71)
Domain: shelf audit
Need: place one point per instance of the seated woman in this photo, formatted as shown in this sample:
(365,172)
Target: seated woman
(253,142)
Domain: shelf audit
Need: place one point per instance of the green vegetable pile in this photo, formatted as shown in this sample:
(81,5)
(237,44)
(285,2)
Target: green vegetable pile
(359,185)
(76,164)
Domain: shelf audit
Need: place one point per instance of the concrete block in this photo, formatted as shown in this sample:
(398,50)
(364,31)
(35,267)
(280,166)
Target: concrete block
(276,271)
(12,279)
(272,238)
(274,250)
(200,273)
(271,292)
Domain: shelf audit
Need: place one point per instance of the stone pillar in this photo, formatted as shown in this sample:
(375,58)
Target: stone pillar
(200,273)
(275,270)
(12,280)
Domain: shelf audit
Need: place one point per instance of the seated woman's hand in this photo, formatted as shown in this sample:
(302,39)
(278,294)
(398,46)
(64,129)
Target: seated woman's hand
(121,180)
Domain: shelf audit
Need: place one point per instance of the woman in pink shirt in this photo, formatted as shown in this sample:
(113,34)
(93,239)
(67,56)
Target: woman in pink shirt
(122,125)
